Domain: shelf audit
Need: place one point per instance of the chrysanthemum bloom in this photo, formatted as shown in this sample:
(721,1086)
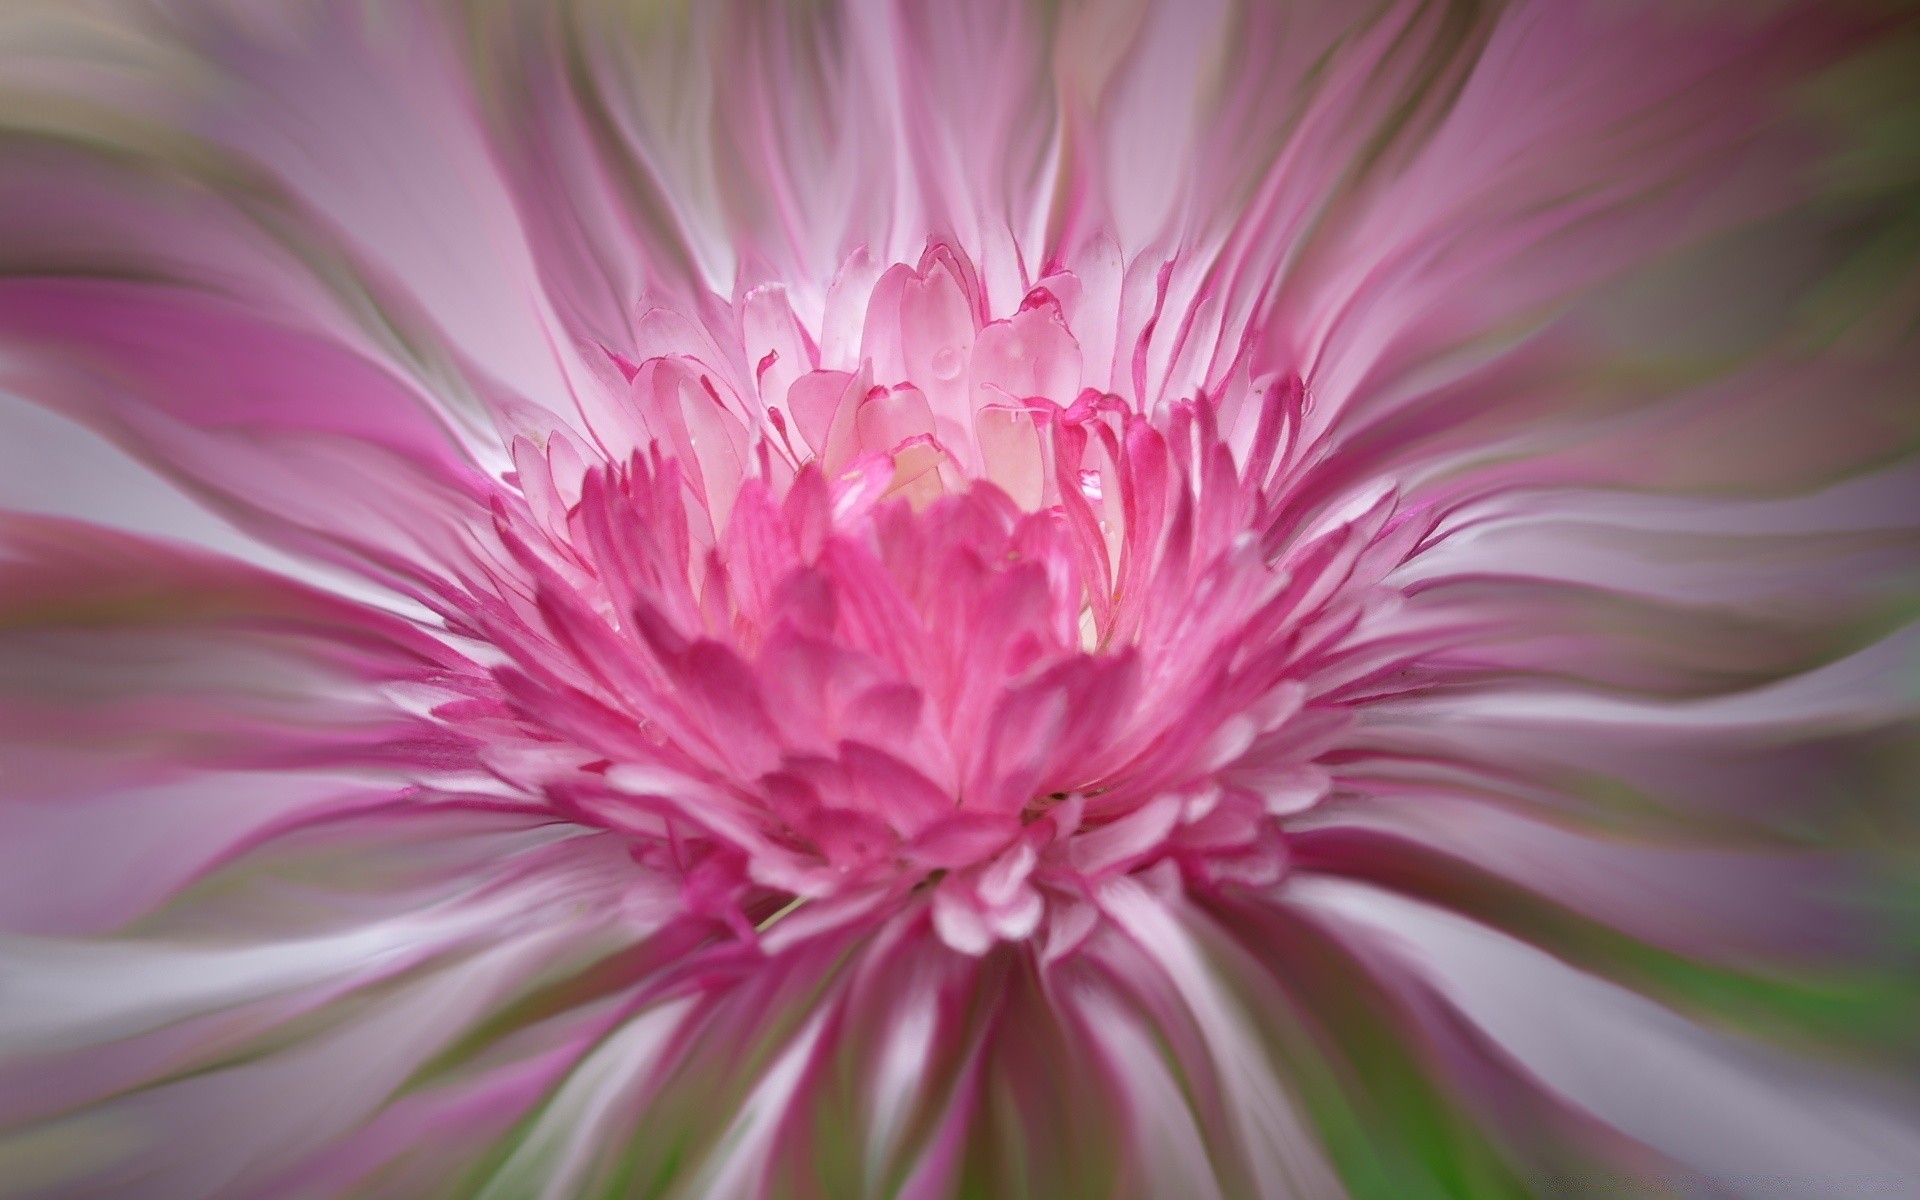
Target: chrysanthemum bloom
(965,599)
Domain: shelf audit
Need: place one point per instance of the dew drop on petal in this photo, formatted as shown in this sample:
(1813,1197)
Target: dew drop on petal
(946,363)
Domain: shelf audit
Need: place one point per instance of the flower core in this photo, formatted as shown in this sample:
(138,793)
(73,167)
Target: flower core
(916,612)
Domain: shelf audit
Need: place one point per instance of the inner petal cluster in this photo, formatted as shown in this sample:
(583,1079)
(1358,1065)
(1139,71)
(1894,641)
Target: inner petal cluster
(910,616)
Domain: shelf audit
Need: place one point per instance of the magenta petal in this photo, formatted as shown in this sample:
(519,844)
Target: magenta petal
(274,424)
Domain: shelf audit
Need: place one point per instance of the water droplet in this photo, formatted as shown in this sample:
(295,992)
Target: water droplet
(1090,485)
(946,363)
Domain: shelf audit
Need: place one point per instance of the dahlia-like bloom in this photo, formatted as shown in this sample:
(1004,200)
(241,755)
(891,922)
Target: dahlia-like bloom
(1166,600)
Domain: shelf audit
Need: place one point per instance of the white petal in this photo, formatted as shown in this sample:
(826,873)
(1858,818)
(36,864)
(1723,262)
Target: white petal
(1757,1121)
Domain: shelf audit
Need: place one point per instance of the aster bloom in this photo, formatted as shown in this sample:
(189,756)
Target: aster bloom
(1137,599)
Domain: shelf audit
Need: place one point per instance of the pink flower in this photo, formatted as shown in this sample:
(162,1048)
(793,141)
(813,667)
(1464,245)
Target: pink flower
(977,599)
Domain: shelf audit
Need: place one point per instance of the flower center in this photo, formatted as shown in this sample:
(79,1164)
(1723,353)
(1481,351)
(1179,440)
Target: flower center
(978,638)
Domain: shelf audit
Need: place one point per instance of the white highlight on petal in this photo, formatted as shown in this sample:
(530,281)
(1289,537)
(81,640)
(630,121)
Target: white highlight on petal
(1173,1154)
(897,1076)
(57,467)
(1287,1159)
(1757,1121)
(225,1131)
(559,1149)
(737,1169)
(1867,689)
(57,995)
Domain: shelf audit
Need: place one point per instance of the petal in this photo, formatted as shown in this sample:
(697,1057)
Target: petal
(156,701)
(299,439)
(1820,1122)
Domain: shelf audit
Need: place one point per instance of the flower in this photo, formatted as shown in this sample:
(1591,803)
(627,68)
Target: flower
(985,600)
